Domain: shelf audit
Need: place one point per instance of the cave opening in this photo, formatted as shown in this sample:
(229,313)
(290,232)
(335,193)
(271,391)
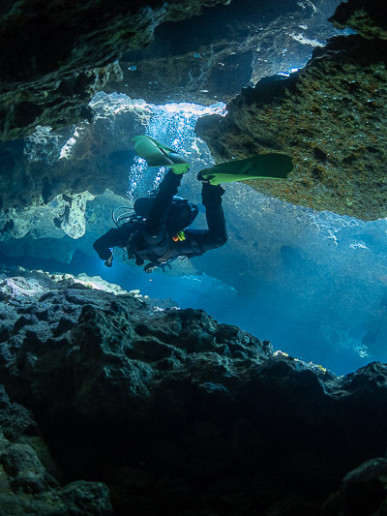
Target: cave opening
(247,380)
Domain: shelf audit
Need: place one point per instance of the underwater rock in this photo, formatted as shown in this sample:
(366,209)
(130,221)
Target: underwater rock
(56,57)
(328,117)
(48,179)
(64,215)
(369,19)
(27,472)
(362,491)
(72,161)
(210,58)
(176,412)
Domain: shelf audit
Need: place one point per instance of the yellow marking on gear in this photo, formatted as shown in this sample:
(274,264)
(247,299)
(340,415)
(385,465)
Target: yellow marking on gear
(179,237)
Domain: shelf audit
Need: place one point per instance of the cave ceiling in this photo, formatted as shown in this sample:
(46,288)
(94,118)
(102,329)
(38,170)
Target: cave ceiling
(55,56)
(329,116)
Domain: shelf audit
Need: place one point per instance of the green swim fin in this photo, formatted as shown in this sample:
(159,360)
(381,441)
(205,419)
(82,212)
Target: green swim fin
(261,166)
(158,155)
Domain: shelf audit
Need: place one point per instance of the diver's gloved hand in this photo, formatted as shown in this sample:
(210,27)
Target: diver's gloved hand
(150,267)
(203,179)
(109,261)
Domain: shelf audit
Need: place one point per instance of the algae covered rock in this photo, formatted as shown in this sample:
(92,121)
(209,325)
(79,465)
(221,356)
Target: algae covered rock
(328,117)
(369,18)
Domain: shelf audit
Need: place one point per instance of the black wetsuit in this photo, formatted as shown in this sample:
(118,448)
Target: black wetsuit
(152,241)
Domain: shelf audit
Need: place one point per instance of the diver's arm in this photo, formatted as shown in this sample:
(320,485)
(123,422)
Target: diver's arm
(112,238)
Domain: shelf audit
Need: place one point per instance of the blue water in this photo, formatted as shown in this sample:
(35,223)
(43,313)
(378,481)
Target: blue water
(323,331)
(314,284)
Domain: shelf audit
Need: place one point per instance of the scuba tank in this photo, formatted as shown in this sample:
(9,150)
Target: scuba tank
(126,216)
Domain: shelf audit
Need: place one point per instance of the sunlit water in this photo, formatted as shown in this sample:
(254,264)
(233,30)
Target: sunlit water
(313,283)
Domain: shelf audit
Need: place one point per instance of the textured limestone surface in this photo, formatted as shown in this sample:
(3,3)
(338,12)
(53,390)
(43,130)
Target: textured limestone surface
(209,58)
(64,215)
(367,18)
(188,415)
(55,56)
(30,480)
(329,117)
(50,177)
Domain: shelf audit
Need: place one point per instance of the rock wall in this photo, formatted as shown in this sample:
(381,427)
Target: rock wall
(328,117)
(30,480)
(180,414)
(210,58)
(55,57)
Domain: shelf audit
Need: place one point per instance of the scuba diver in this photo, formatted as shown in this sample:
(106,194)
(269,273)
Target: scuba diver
(158,231)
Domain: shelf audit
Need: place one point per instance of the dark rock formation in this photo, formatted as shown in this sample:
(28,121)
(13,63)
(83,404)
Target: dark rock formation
(211,58)
(329,117)
(369,18)
(362,491)
(180,414)
(29,478)
(55,57)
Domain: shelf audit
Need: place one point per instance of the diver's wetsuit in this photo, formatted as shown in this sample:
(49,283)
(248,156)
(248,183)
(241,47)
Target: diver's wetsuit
(152,241)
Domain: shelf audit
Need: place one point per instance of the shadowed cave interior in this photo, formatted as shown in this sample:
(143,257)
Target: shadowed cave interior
(246,381)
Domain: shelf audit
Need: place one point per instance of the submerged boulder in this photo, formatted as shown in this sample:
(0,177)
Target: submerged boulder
(176,412)
(30,480)
(362,491)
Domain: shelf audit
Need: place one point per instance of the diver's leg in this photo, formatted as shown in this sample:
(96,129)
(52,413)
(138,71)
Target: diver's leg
(212,200)
(155,226)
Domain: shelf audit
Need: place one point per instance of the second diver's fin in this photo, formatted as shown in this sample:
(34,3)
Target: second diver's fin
(158,155)
(272,165)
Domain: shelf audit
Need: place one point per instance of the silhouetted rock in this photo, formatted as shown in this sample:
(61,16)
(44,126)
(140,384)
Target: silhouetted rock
(176,412)
(362,491)
(27,472)
(369,18)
